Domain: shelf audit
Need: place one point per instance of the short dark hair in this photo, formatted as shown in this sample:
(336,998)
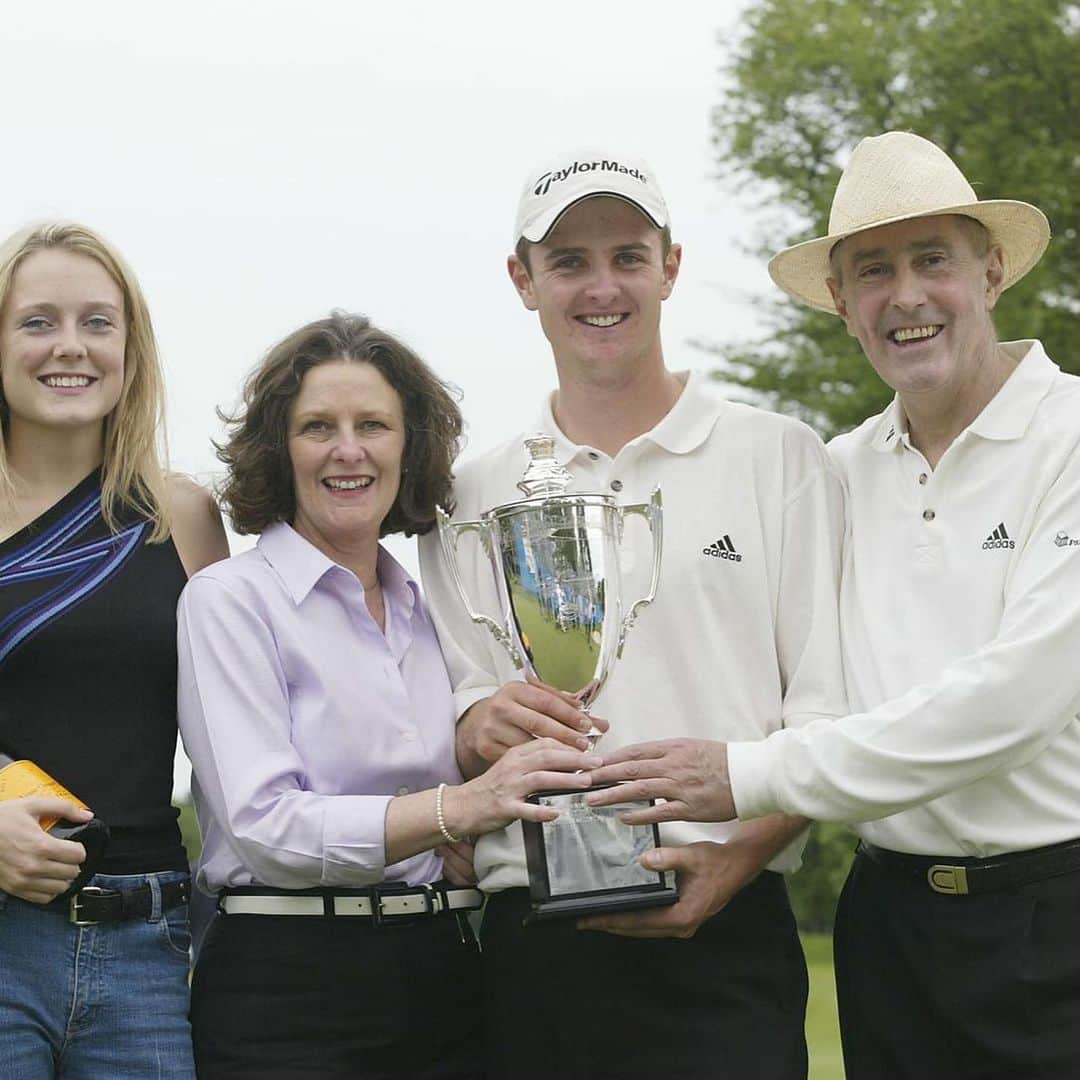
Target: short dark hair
(259,490)
(523,248)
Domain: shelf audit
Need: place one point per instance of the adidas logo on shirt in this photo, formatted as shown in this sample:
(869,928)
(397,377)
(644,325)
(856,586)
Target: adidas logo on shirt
(999,538)
(722,549)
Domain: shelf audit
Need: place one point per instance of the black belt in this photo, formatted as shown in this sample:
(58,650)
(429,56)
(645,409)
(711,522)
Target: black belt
(92,904)
(956,876)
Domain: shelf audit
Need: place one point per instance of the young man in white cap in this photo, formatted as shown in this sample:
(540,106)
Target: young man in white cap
(741,640)
(957,946)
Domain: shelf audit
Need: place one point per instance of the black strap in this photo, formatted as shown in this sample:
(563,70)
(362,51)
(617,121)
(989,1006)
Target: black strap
(116,905)
(992,874)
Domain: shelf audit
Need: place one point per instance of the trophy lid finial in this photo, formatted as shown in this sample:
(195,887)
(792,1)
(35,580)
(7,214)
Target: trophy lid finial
(544,474)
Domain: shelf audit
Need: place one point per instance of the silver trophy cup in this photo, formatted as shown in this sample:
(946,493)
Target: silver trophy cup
(564,621)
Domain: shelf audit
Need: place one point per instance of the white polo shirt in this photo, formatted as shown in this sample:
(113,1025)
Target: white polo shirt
(960,620)
(733,647)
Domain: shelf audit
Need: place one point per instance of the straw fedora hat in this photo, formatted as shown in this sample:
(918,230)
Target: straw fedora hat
(895,177)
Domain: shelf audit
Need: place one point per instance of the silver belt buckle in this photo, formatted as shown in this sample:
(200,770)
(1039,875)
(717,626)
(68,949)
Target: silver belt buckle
(73,905)
(380,893)
(948,880)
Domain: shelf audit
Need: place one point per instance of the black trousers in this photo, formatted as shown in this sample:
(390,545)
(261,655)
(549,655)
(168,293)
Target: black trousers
(297,996)
(582,1005)
(982,987)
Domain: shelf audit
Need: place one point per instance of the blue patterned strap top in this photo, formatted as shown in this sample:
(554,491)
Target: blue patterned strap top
(88,669)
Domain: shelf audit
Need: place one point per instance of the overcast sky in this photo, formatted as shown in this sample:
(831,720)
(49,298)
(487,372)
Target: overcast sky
(262,162)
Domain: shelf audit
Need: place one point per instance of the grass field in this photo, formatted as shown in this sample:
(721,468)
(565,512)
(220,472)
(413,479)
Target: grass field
(822,1032)
(566,659)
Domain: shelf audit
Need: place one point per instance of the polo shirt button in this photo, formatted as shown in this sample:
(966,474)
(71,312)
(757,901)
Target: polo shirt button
(928,515)
(923,478)
(616,485)
(403,790)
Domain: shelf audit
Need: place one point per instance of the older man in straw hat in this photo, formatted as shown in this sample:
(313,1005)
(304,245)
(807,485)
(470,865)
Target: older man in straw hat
(958,948)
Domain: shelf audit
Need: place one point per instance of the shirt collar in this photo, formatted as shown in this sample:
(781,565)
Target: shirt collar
(683,429)
(891,428)
(301,566)
(1008,413)
(397,583)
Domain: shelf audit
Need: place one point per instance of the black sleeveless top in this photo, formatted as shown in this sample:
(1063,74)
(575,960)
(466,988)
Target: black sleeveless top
(88,669)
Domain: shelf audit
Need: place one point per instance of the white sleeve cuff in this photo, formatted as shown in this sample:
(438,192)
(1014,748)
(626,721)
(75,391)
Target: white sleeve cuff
(467,697)
(750,767)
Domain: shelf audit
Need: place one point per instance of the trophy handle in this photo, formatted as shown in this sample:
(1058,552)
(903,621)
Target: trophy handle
(448,536)
(652,512)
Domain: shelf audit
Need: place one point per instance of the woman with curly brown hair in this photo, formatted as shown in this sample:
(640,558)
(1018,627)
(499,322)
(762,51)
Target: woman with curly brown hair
(317,712)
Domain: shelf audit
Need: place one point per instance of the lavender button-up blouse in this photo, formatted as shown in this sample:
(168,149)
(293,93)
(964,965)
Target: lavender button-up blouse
(302,720)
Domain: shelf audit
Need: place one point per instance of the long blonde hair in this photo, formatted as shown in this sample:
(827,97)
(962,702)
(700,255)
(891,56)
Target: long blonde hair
(132,475)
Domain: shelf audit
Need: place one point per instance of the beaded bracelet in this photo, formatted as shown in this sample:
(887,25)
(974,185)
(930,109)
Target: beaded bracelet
(448,836)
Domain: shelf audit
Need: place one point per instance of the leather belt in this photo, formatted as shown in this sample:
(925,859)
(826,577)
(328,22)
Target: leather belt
(393,901)
(955,876)
(91,904)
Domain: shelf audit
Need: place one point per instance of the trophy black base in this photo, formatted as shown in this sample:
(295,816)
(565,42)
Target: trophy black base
(587,861)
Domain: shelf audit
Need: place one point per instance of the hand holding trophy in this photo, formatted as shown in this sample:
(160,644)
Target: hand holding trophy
(564,621)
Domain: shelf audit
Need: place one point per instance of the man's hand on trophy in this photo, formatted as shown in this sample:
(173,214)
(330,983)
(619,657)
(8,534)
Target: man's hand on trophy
(691,775)
(709,875)
(520,711)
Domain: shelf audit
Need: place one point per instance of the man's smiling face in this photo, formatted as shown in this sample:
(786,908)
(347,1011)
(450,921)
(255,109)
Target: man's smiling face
(597,281)
(918,296)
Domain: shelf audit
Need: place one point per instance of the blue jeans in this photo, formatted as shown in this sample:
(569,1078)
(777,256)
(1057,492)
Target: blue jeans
(95,1002)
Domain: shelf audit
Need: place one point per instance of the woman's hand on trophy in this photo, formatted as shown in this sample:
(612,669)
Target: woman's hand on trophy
(691,775)
(498,796)
(35,866)
(520,712)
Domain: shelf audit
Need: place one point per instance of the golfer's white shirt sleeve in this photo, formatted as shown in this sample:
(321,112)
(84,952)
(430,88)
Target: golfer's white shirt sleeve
(987,710)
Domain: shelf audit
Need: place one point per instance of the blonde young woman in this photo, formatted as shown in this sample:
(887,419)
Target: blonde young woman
(96,543)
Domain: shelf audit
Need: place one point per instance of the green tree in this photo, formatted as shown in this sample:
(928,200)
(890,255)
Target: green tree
(815,889)
(189,830)
(995,83)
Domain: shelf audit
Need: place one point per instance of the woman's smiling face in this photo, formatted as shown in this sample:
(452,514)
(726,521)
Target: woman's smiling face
(346,444)
(62,338)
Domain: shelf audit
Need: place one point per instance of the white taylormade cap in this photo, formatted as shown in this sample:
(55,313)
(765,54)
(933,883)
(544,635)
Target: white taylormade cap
(582,174)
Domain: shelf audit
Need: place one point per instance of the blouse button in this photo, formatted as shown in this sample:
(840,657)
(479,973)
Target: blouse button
(923,478)
(616,485)
(928,515)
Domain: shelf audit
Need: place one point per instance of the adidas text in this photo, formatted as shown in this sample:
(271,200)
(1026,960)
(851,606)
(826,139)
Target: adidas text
(723,549)
(999,538)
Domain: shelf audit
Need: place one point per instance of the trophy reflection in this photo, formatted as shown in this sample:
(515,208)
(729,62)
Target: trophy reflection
(564,620)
